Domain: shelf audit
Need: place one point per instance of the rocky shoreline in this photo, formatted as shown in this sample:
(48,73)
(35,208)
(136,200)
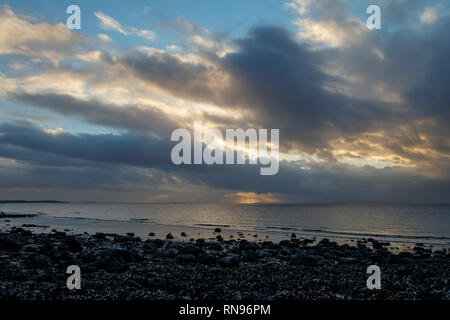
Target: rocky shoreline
(33,266)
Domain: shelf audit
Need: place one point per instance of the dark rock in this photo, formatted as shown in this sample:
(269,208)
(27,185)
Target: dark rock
(64,257)
(115,253)
(169,236)
(405,254)
(31,225)
(230,260)
(73,244)
(217,230)
(9,245)
(348,260)
(219,238)
(376,244)
(151,234)
(215,246)
(285,251)
(302,259)
(442,252)
(185,257)
(21,231)
(16,215)
(285,243)
(116,267)
(251,246)
(268,245)
(267,253)
(379,244)
(183,234)
(158,243)
(250,255)
(206,258)
(243,244)
(136,254)
(200,242)
(191,249)
(31,248)
(170,252)
(99,235)
(293,236)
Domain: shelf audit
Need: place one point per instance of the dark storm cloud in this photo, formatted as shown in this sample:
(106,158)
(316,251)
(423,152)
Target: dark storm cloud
(402,12)
(33,157)
(324,183)
(130,148)
(103,162)
(133,118)
(276,78)
(430,94)
(186,79)
(80,183)
(282,83)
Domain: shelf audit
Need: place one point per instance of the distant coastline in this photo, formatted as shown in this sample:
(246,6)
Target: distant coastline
(32,201)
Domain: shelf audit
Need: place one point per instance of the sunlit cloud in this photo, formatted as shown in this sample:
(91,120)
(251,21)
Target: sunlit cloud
(109,23)
(26,36)
(429,16)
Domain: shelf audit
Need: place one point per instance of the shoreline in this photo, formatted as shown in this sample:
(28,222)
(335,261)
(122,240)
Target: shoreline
(141,227)
(126,267)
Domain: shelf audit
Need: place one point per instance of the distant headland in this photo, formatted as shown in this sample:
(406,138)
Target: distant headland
(31,201)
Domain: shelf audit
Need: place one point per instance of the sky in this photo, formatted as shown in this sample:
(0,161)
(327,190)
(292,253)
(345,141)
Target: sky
(87,115)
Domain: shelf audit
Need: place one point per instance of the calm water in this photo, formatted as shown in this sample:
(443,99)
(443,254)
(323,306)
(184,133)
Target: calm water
(394,222)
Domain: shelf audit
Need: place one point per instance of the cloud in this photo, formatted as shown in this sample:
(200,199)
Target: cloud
(330,32)
(135,118)
(109,23)
(121,162)
(301,6)
(129,148)
(24,36)
(104,37)
(186,79)
(321,97)
(429,16)
(202,40)
(363,114)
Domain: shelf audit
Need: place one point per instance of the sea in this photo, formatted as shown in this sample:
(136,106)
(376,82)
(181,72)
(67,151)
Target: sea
(402,225)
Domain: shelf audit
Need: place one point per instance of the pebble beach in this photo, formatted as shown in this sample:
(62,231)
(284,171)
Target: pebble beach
(126,267)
